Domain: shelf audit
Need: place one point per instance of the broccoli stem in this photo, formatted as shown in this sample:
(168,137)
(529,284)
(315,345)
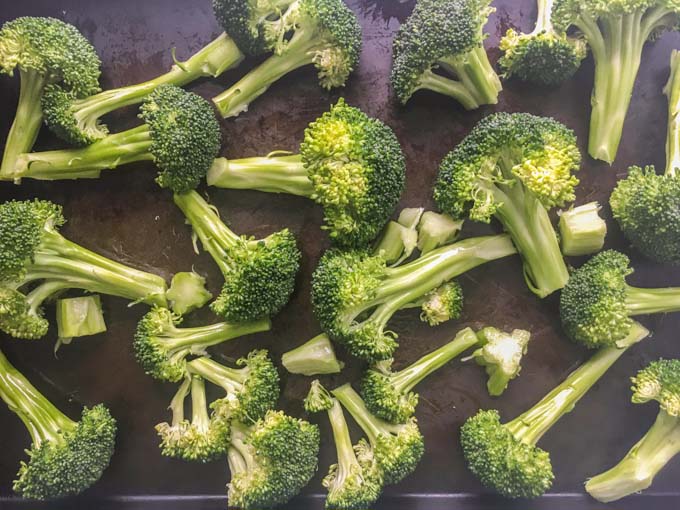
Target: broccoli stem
(199,407)
(644,460)
(273,174)
(372,426)
(343,442)
(647,301)
(212,60)
(543,17)
(44,421)
(406,379)
(672,90)
(108,153)
(201,337)
(476,74)
(240,455)
(430,80)
(44,291)
(26,125)
(313,357)
(230,379)
(177,402)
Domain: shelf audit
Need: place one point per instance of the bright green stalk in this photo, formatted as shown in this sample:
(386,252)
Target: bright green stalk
(672,91)
(476,75)
(582,231)
(316,356)
(647,301)
(79,316)
(230,379)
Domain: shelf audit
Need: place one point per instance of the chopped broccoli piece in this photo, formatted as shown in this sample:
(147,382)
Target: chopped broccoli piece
(442,304)
(396,243)
(436,229)
(582,230)
(316,356)
(187,292)
(79,316)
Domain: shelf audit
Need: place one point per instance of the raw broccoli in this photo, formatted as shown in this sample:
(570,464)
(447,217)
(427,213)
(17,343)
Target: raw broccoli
(597,304)
(515,166)
(315,356)
(180,135)
(442,304)
(323,33)
(271,461)
(259,274)
(349,163)
(45,51)
(355,482)
(582,230)
(440,47)
(616,33)
(436,229)
(187,292)
(543,56)
(388,394)
(660,381)
(78,317)
(505,457)
(37,262)
(647,205)
(66,457)
(354,293)
(162,347)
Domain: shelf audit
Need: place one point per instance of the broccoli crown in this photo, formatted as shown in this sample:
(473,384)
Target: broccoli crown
(356,487)
(318,398)
(538,153)
(510,467)
(153,345)
(18,319)
(501,354)
(261,277)
(385,400)
(185,136)
(72,463)
(443,304)
(398,450)
(647,207)
(357,169)
(593,303)
(53,49)
(436,31)
(659,381)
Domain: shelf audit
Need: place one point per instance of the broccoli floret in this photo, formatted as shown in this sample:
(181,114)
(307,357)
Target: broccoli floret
(315,356)
(323,33)
(597,304)
(647,205)
(440,47)
(251,390)
(259,274)
(354,293)
(66,457)
(398,448)
(350,164)
(187,292)
(515,166)
(442,304)
(388,394)
(200,439)
(659,381)
(504,456)
(162,347)
(271,461)
(616,33)
(180,135)
(543,56)
(46,51)
(355,482)
(37,262)
(582,230)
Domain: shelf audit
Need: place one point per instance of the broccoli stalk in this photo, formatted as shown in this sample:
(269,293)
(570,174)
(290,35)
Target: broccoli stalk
(582,230)
(659,381)
(505,457)
(66,457)
(315,356)
(78,317)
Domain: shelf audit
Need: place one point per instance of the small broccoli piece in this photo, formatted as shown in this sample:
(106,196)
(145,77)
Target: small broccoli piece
(162,347)
(543,56)
(350,164)
(396,243)
(505,457)
(355,482)
(323,33)
(200,440)
(271,461)
(440,48)
(616,33)
(355,294)
(388,394)
(80,316)
(442,304)
(501,353)
(582,230)
(187,292)
(436,229)
(398,448)
(37,263)
(180,135)
(515,166)
(315,356)
(597,304)
(259,274)
(45,51)
(66,457)
(647,205)
(659,381)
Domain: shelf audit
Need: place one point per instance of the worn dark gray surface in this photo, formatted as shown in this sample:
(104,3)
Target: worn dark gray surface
(124,215)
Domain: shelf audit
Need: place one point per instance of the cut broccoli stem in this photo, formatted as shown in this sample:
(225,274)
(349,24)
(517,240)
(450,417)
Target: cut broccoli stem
(199,406)
(543,17)
(230,379)
(347,459)
(647,301)
(582,231)
(177,403)
(672,91)
(396,243)
(476,74)
(80,316)
(27,122)
(430,80)
(273,174)
(240,455)
(637,469)
(316,356)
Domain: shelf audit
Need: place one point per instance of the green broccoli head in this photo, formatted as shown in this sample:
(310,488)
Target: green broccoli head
(503,463)
(399,449)
(153,346)
(357,486)
(443,304)
(318,398)
(357,170)
(383,398)
(659,381)
(73,461)
(18,318)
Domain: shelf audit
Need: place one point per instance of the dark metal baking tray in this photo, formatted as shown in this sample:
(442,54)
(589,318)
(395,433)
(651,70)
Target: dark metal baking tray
(124,215)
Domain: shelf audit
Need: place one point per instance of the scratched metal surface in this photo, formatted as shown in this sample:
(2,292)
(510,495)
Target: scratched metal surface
(125,216)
